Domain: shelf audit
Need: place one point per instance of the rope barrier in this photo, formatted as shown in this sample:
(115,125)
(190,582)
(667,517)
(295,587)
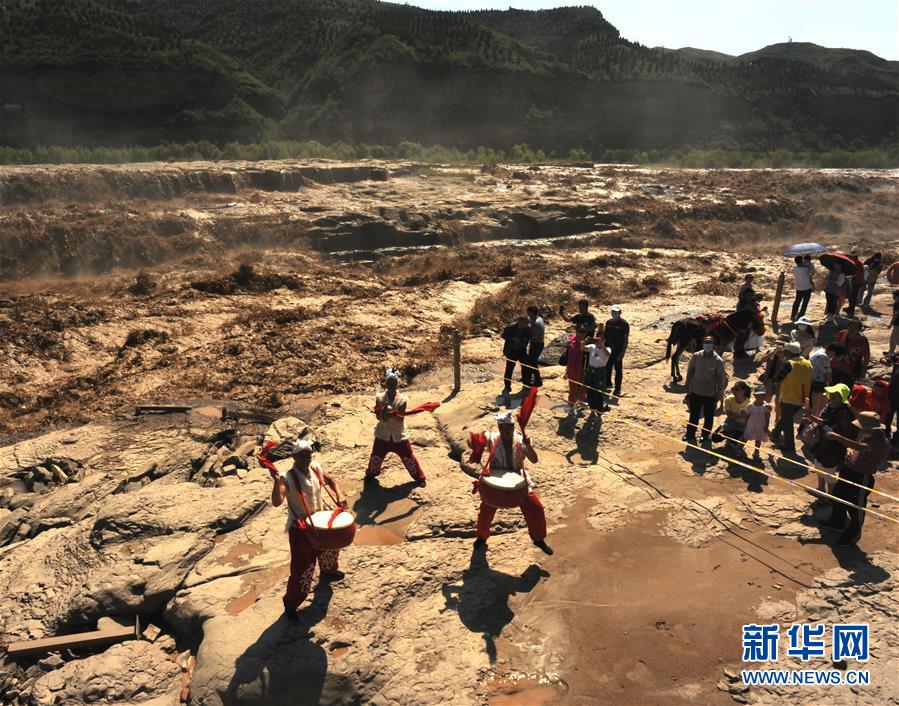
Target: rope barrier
(814,491)
(741,442)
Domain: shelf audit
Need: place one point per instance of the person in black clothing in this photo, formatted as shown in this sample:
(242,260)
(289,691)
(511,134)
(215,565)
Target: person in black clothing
(583,318)
(516,336)
(531,376)
(618,332)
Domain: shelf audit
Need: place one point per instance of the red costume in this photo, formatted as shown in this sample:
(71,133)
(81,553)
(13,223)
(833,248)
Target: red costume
(531,508)
(304,496)
(390,436)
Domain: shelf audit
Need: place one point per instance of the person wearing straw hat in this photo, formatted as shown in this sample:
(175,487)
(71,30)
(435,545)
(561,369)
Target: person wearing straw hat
(390,432)
(866,455)
(302,487)
(795,389)
(508,450)
(804,335)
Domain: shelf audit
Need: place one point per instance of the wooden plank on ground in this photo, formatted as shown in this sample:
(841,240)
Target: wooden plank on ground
(94,638)
(161,409)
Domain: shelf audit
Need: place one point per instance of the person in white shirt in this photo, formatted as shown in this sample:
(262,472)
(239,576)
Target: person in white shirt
(507,451)
(301,487)
(802,275)
(390,432)
(804,334)
(821,378)
(595,377)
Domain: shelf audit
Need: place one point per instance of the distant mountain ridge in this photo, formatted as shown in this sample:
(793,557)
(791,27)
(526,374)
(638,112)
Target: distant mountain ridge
(142,71)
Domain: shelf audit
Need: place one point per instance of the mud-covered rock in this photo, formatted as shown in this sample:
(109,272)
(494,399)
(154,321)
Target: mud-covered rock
(133,672)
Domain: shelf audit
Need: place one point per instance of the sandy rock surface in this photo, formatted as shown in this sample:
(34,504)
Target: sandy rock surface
(661,553)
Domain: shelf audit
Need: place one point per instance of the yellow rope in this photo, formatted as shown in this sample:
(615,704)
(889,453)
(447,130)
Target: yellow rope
(814,491)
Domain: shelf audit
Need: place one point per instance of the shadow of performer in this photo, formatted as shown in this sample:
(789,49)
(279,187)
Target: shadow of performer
(284,667)
(375,500)
(587,439)
(482,598)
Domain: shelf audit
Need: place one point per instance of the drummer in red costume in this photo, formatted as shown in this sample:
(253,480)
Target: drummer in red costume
(508,450)
(390,432)
(305,476)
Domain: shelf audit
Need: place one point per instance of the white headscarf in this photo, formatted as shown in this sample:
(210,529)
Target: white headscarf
(504,418)
(300,445)
(392,374)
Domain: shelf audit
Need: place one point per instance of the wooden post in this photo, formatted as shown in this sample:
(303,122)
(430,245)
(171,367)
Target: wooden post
(777,295)
(457,360)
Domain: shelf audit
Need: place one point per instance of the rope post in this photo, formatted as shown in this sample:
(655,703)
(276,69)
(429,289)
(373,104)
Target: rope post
(457,360)
(777,295)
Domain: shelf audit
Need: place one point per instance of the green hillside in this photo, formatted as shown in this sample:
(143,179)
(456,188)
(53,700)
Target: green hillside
(82,69)
(118,71)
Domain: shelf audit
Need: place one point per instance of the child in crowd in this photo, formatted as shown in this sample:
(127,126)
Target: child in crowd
(758,418)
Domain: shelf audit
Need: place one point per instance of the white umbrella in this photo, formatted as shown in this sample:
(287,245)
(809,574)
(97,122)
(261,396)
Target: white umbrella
(805,249)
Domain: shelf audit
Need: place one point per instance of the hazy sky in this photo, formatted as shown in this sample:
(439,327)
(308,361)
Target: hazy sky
(733,26)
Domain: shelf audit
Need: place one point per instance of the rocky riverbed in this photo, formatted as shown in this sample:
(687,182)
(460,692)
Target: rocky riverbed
(262,321)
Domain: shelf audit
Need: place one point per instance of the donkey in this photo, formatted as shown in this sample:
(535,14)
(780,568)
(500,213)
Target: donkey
(725,329)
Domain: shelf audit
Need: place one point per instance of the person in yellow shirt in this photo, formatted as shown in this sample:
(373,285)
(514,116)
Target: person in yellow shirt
(795,389)
(735,405)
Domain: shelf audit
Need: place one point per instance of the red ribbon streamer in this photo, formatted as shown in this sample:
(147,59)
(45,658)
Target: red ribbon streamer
(426,407)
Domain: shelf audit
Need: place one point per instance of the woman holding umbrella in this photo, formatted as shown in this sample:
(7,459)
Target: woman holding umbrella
(802,274)
(841,268)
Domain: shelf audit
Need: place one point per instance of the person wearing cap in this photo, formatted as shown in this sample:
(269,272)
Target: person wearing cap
(390,432)
(802,277)
(795,389)
(804,335)
(821,378)
(857,347)
(508,450)
(301,487)
(618,332)
(706,383)
(866,455)
(837,415)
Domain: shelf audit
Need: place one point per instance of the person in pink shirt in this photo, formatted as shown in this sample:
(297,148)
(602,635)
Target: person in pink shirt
(574,368)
